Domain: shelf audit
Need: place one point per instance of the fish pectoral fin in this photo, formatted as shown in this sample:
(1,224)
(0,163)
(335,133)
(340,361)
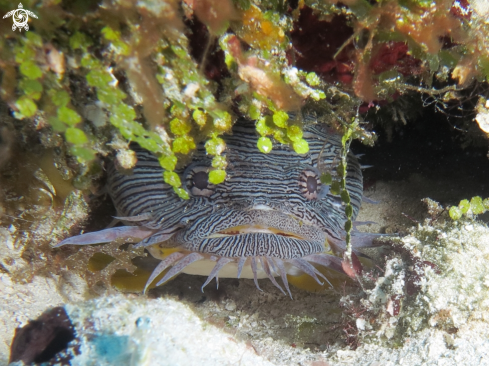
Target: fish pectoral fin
(108,235)
(137,218)
(361,239)
(156,238)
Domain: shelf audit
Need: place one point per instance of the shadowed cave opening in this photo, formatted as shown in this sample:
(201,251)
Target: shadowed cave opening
(430,146)
(43,339)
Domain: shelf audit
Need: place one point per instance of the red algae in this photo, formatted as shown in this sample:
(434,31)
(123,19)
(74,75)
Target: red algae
(316,42)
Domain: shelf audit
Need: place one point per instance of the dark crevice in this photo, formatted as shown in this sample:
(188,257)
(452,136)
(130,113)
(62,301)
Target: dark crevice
(431,146)
(43,339)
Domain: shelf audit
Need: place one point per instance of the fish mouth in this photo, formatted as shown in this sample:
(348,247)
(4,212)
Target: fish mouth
(263,219)
(261,242)
(262,231)
(254,229)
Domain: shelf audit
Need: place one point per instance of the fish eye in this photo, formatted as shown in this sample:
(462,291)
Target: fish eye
(309,184)
(198,182)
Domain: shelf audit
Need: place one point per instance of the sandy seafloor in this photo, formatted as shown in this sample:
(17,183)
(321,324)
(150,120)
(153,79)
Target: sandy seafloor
(236,324)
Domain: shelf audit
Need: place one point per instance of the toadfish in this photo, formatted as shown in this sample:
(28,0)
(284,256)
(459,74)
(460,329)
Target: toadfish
(271,217)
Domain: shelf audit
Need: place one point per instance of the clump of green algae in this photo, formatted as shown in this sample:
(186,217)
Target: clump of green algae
(179,104)
(476,206)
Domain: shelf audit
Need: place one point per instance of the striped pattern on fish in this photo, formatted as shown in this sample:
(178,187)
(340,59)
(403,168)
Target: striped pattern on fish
(271,216)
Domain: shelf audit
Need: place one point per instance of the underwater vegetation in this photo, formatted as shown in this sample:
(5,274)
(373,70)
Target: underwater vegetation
(476,206)
(90,78)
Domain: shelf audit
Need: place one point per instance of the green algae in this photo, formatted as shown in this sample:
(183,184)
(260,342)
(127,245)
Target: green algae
(186,94)
(476,206)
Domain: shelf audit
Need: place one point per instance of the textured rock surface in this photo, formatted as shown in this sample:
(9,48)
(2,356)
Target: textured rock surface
(430,347)
(152,332)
